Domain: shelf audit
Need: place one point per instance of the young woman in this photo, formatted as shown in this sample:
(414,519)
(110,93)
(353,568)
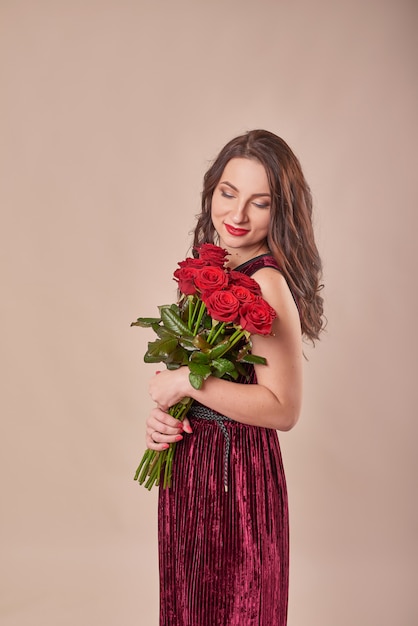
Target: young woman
(224,558)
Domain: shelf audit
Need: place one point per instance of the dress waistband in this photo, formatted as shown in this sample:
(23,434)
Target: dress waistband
(205,413)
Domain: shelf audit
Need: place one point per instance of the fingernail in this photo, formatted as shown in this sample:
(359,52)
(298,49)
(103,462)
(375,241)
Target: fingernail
(187,429)
(179,437)
(165,446)
(158,372)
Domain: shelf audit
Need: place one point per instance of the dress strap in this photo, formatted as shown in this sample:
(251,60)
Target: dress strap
(253,265)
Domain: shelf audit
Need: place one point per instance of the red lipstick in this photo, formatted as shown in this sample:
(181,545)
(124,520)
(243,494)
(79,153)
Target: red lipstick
(237,232)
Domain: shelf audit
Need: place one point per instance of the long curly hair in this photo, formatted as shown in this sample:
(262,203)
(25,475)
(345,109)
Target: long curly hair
(291,236)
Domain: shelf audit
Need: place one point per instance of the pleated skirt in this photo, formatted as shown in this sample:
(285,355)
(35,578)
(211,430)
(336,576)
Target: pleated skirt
(224,556)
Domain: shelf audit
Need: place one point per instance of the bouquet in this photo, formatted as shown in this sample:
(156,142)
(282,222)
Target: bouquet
(207,330)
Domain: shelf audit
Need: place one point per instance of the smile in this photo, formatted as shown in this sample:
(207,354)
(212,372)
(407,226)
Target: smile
(237,232)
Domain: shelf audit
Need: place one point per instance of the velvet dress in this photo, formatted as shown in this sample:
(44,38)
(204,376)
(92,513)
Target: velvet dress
(224,555)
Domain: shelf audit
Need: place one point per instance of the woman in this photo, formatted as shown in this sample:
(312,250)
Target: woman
(224,556)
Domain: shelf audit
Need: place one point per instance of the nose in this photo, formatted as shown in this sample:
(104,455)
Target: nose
(240,214)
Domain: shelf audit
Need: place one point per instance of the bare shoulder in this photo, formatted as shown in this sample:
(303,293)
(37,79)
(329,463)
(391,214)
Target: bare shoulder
(283,348)
(275,290)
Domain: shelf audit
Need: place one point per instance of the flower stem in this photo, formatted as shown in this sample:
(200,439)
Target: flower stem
(194,306)
(235,338)
(199,317)
(191,313)
(156,466)
(215,331)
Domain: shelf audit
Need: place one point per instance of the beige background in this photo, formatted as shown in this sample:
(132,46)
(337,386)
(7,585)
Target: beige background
(110,113)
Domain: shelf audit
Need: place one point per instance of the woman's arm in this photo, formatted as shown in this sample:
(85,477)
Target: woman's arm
(275,401)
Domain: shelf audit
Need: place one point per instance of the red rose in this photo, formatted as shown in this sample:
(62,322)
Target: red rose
(257,317)
(212,255)
(222,306)
(210,279)
(237,278)
(191,262)
(243,294)
(185,277)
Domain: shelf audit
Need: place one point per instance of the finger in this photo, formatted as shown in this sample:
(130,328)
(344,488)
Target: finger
(160,417)
(158,447)
(157,441)
(159,437)
(187,426)
(153,425)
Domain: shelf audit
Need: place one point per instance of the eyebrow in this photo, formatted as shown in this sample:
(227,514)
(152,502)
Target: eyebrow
(254,195)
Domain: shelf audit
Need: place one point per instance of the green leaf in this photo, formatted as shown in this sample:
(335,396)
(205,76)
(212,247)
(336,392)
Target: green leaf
(178,356)
(196,381)
(173,322)
(199,357)
(149,358)
(173,366)
(162,332)
(253,358)
(241,369)
(146,322)
(201,344)
(162,347)
(223,365)
(187,344)
(228,375)
(219,349)
(200,369)
(243,351)
(207,322)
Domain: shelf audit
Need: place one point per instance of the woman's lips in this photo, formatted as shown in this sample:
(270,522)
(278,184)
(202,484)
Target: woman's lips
(237,232)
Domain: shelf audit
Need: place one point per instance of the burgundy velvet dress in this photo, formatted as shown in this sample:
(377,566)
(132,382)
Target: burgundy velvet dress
(224,556)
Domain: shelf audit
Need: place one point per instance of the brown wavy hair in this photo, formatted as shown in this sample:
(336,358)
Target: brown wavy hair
(291,236)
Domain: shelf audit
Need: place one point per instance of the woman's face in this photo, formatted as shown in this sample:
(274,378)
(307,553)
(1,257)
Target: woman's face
(241,206)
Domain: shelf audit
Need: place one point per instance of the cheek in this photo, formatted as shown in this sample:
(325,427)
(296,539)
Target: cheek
(264,222)
(216,210)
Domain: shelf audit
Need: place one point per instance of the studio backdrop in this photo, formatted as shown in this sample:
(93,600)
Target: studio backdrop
(111,112)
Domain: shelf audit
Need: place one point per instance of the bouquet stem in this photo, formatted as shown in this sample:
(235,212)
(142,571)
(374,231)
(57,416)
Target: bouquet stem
(153,463)
(215,332)
(202,309)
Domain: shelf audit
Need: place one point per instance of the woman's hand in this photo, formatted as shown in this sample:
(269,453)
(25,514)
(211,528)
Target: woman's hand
(169,386)
(166,388)
(163,429)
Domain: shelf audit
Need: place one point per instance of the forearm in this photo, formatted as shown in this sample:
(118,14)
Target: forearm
(255,404)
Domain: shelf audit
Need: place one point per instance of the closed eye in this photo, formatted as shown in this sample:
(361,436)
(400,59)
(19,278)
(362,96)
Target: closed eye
(262,205)
(225,194)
